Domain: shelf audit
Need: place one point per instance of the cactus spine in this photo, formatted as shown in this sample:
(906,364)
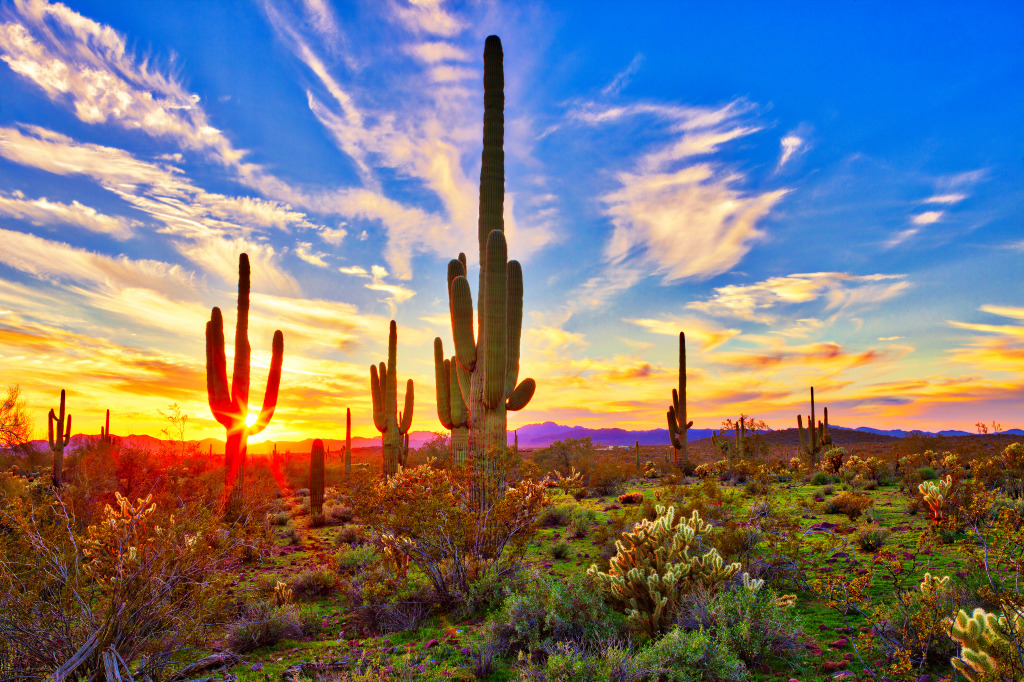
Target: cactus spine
(348,441)
(316,478)
(230,407)
(62,440)
(451,407)
(384,392)
(814,443)
(488,366)
(677,424)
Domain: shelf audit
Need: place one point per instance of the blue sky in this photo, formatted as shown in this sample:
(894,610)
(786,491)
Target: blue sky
(818,194)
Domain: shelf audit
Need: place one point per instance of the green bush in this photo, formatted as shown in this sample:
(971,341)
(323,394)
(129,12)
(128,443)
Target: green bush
(557,515)
(683,656)
(927,474)
(314,583)
(820,478)
(872,539)
(560,550)
(357,558)
(572,663)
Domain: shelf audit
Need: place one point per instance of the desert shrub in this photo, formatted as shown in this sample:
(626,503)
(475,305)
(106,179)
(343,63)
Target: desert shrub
(404,510)
(697,656)
(261,625)
(820,478)
(753,621)
(65,589)
(606,477)
(314,583)
(848,503)
(382,600)
(317,520)
(302,508)
(548,610)
(302,492)
(560,550)
(338,514)
(631,498)
(557,516)
(357,558)
(653,569)
(872,539)
(871,484)
(927,474)
(292,534)
(280,518)
(349,534)
(574,662)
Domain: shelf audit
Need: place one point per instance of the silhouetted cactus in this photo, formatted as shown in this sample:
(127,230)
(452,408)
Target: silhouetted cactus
(451,408)
(384,393)
(61,441)
(316,478)
(677,424)
(488,365)
(348,441)
(814,443)
(105,436)
(230,407)
(731,450)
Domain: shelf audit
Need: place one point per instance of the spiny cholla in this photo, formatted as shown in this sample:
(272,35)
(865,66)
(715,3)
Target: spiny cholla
(985,645)
(654,568)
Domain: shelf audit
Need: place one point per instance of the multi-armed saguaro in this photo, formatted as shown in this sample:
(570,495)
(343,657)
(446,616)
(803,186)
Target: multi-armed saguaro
(231,408)
(451,408)
(62,440)
(677,424)
(393,426)
(316,478)
(820,439)
(488,365)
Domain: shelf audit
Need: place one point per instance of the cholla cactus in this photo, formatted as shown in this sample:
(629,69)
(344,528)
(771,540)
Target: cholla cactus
(752,584)
(934,493)
(116,540)
(282,594)
(986,641)
(654,568)
(933,584)
(786,601)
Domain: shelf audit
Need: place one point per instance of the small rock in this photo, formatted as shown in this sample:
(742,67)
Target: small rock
(432,643)
(256,667)
(841,642)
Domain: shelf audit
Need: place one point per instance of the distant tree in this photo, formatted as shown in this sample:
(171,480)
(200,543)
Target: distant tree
(175,430)
(982,428)
(15,428)
(439,447)
(754,427)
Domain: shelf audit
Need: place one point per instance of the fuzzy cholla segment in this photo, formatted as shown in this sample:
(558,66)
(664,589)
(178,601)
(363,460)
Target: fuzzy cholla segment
(654,568)
(934,494)
(985,651)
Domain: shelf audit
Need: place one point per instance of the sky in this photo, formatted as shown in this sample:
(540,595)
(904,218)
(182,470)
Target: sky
(818,194)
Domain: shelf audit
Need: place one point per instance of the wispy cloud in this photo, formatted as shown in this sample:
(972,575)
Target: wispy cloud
(841,291)
(927,218)
(623,77)
(945,199)
(42,211)
(427,16)
(707,334)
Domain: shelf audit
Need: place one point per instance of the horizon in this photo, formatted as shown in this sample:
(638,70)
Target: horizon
(693,163)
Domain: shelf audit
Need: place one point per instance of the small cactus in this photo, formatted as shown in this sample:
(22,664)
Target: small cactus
(282,594)
(987,649)
(62,440)
(393,426)
(316,478)
(813,442)
(934,493)
(105,436)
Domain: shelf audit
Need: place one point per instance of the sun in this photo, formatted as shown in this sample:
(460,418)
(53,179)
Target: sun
(251,418)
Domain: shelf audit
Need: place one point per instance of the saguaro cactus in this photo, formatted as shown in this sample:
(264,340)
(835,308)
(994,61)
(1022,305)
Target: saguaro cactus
(63,438)
(231,409)
(348,441)
(451,408)
(105,436)
(814,443)
(384,392)
(731,450)
(316,478)
(488,365)
(677,424)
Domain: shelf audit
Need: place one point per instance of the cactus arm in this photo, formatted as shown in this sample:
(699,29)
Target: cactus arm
(513,324)
(464,379)
(375,397)
(462,323)
(442,381)
(216,371)
(50,420)
(492,165)
(456,268)
(460,411)
(67,434)
(406,421)
(240,376)
(521,397)
(273,385)
(495,305)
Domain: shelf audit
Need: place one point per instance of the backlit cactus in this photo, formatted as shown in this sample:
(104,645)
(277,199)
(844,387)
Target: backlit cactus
(653,569)
(393,426)
(988,649)
(815,442)
(934,494)
(348,441)
(677,424)
(316,478)
(105,436)
(452,410)
(60,441)
(230,406)
(488,365)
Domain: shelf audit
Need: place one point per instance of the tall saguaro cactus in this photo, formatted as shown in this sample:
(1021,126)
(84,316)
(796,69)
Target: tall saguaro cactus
(451,408)
(230,407)
(488,365)
(316,478)
(348,441)
(677,424)
(62,440)
(384,393)
(105,436)
(815,442)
